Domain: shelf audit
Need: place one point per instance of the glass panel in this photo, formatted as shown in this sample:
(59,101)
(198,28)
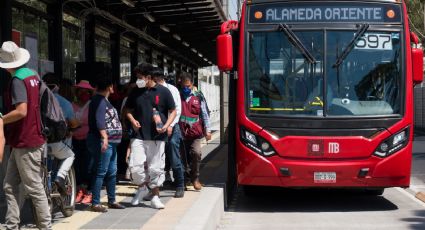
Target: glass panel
(141,55)
(281,80)
(125,66)
(39,5)
(18,23)
(43,39)
(103,45)
(71,41)
(368,81)
(103,50)
(71,19)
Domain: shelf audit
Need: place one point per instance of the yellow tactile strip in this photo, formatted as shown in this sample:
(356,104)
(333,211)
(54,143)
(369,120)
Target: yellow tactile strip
(81,218)
(174,211)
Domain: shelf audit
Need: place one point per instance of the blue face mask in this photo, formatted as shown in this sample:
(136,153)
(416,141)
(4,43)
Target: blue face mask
(186,91)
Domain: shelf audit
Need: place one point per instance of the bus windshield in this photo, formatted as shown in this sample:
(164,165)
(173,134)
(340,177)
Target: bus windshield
(361,80)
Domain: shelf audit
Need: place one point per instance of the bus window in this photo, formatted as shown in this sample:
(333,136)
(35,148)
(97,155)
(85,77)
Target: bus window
(281,79)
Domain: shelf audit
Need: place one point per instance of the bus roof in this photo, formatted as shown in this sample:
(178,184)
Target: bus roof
(264,1)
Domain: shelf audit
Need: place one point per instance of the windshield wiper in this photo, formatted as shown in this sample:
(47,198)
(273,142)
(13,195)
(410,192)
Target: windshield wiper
(350,45)
(297,43)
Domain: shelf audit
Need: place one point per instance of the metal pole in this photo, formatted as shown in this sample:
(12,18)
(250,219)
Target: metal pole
(239,9)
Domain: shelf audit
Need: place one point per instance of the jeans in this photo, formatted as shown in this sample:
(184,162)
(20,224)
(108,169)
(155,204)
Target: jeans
(105,165)
(173,155)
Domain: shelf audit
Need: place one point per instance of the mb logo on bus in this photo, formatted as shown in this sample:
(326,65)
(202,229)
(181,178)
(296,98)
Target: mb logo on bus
(333,147)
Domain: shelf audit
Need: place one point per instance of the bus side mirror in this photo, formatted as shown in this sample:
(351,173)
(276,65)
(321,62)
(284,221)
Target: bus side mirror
(417,60)
(224,52)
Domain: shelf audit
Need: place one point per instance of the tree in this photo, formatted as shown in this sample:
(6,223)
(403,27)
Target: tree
(415,8)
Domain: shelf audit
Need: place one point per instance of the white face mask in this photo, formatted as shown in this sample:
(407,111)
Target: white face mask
(141,83)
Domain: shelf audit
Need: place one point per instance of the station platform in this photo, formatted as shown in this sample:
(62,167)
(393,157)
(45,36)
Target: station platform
(417,180)
(196,210)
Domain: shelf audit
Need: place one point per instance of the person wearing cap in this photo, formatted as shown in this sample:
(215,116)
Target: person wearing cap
(83,93)
(23,134)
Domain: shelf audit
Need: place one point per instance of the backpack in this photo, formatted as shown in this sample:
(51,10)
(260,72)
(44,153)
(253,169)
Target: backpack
(202,98)
(53,122)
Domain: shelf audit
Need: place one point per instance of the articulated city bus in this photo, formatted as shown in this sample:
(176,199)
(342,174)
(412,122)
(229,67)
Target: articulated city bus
(324,93)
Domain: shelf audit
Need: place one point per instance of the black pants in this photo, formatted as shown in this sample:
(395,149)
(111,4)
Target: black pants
(82,163)
(121,154)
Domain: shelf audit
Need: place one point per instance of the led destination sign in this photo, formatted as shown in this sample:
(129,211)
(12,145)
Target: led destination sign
(283,13)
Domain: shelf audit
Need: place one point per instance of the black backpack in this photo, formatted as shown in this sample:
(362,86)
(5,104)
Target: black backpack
(53,122)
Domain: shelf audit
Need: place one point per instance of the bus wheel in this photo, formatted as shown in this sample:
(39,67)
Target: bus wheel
(375,192)
(250,190)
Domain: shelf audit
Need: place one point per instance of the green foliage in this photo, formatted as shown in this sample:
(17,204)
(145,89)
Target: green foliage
(415,9)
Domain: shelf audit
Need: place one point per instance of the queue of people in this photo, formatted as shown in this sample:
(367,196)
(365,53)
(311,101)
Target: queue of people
(160,121)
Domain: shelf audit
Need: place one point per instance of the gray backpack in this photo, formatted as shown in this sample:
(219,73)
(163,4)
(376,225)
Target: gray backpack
(53,121)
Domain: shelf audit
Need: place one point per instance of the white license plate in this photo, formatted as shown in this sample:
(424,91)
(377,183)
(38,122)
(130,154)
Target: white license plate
(324,177)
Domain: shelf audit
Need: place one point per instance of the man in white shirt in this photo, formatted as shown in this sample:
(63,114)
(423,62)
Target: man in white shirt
(174,134)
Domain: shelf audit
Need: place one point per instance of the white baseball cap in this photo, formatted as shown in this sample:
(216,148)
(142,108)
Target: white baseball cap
(11,56)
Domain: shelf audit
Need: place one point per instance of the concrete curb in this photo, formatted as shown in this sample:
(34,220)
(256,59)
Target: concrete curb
(420,196)
(206,212)
(417,194)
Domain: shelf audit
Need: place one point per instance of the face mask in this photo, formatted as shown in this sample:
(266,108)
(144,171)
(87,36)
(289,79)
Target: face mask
(186,91)
(141,83)
(84,97)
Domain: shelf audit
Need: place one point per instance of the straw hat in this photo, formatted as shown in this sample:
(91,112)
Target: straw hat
(84,84)
(11,56)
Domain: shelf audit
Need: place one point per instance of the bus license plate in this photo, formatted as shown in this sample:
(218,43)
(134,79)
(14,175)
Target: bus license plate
(324,177)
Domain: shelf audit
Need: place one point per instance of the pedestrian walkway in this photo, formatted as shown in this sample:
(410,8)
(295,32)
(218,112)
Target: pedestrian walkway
(417,182)
(178,212)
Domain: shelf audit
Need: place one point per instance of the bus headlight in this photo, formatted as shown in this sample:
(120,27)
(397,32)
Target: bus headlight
(393,143)
(256,143)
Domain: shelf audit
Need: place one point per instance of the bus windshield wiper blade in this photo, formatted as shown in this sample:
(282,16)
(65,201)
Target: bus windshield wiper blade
(350,45)
(296,41)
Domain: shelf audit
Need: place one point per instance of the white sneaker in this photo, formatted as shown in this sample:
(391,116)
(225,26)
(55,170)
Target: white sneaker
(141,192)
(148,196)
(156,203)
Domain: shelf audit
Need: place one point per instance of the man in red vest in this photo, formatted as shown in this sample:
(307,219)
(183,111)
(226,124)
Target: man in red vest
(194,125)
(23,129)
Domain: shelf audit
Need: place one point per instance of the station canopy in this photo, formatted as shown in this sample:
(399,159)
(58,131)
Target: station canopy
(183,29)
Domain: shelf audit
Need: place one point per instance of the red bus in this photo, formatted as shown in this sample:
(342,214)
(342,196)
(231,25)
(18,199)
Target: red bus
(324,93)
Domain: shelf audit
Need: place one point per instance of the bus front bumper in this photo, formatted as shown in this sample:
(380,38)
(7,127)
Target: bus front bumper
(393,171)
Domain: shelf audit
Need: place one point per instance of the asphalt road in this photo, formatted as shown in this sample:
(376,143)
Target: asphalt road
(324,209)
(272,209)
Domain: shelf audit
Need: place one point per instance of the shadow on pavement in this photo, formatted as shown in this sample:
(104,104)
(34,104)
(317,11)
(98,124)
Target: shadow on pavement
(417,220)
(311,200)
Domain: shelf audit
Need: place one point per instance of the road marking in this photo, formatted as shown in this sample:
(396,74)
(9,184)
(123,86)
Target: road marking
(81,218)
(411,196)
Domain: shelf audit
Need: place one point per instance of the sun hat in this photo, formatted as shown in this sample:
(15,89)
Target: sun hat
(84,84)
(11,56)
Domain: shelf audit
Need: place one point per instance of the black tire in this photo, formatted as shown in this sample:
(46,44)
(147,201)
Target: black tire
(250,190)
(375,192)
(68,201)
